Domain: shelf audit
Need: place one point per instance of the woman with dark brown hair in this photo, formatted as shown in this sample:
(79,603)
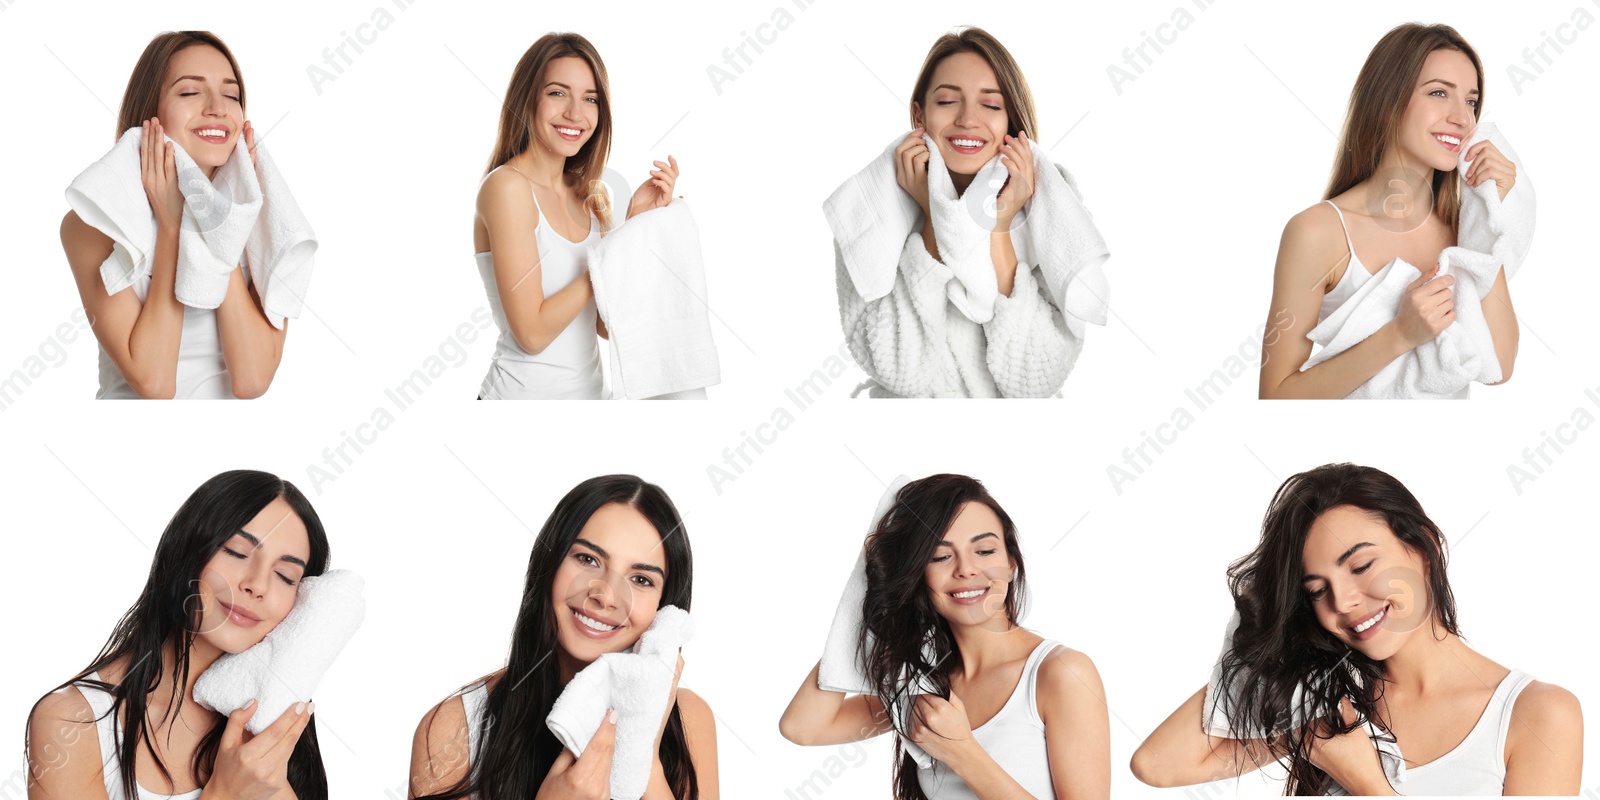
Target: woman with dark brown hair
(187,87)
(541,204)
(1394,196)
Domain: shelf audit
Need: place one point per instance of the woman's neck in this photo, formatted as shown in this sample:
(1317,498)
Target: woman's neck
(1429,660)
(992,642)
(1400,190)
(544,167)
(202,655)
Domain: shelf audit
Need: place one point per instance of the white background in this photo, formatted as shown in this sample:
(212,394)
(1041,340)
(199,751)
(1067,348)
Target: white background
(1191,171)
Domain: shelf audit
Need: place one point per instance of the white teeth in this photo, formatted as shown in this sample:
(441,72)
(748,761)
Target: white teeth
(1371,622)
(968,594)
(966,142)
(569,131)
(594,623)
(212,132)
(1447,139)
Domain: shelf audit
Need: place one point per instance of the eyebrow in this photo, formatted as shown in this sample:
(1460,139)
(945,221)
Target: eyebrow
(991,534)
(1339,562)
(603,554)
(569,88)
(985,90)
(255,542)
(1446,83)
(225,81)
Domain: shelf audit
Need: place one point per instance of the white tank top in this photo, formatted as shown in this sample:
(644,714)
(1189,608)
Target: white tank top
(1476,766)
(1355,275)
(472,701)
(202,374)
(1014,738)
(569,367)
(106,724)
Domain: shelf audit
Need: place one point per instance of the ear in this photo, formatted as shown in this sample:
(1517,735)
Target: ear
(916,114)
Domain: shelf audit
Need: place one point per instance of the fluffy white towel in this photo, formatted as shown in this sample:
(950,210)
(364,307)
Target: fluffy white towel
(871,216)
(1492,234)
(637,684)
(841,669)
(650,288)
(285,668)
(1214,719)
(244,211)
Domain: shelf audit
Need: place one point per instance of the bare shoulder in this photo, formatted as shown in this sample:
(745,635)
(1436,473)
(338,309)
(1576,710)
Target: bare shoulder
(62,709)
(447,721)
(696,712)
(63,746)
(84,244)
(505,190)
(1316,229)
(1549,710)
(1066,674)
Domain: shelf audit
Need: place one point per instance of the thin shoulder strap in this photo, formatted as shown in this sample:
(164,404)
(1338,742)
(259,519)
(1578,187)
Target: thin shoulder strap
(1030,674)
(531,193)
(105,723)
(1346,228)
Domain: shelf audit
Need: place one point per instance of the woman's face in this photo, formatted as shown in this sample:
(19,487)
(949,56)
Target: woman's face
(969,574)
(199,107)
(568,107)
(1367,587)
(249,586)
(1440,115)
(607,589)
(965,113)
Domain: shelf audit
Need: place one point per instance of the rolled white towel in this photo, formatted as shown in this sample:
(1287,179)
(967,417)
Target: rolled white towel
(286,666)
(638,685)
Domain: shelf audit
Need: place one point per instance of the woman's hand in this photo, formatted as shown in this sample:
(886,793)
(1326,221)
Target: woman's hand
(1427,308)
(911,168)
(1487,163)
(158,168)
(1350,759)
(256,768)
(657,192)
(941,727)
(586,777)
(250,140)
(1016,153)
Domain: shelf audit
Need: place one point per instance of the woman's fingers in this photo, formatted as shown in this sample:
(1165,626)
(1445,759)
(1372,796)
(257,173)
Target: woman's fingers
(281,749)
(266,740)
(233,731)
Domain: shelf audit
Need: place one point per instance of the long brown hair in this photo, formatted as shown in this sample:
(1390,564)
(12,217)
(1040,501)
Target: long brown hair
(1020,115)
(1378,101)
(522,97)
(143,96)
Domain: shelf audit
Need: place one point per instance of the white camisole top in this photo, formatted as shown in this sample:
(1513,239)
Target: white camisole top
(202,374)
(1014,737)
(106,725)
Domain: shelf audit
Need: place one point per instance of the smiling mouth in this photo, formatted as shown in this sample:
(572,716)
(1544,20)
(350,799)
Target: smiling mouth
(969,597)
(570,134)
(966,144)
(1448,141)
(213,135)
(239,616)
(593,627)
(1370,623)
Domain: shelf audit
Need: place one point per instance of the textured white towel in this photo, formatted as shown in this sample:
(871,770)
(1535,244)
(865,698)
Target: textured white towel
(650,288)
(285,668)
(841,669)
(870,216)
(1214,719)
(1492,234)
(244,212)
(637,684)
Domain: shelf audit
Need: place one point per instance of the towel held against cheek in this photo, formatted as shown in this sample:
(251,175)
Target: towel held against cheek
(286,666)
(1214,719)
(650,288)
(244,214)
(842,669)
(638,685)
(1492,233)
(871,216)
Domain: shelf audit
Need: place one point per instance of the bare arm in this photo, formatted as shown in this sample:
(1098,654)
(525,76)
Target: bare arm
(251,346)
(506,206)
(1077,726)
(1310,250)
(818,717)
(1181,753)
(141,338)
(700,732)
(1503,328)
(1544,748)
(440,749)
(64,750)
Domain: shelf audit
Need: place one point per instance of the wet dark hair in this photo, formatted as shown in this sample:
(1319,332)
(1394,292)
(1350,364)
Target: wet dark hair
(516,748)
(1280,646)
(168,610)
(904,640)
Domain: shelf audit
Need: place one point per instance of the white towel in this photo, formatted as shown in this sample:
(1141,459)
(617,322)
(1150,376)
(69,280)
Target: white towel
(243,212)
(285,668)
(871,216)
(1492,234)
(637,684)
(1214,719)
(650,288)
(841,669)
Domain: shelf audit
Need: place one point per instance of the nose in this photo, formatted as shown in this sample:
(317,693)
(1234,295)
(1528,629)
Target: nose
(604,592)
(1461,115)
(965,567)
(1347,596)
(257,579)
(215,105)
(968,118)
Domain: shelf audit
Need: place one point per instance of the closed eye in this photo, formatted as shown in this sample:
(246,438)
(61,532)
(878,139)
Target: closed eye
(1318,594)
(231,552)
(284,578)
(1364,567)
